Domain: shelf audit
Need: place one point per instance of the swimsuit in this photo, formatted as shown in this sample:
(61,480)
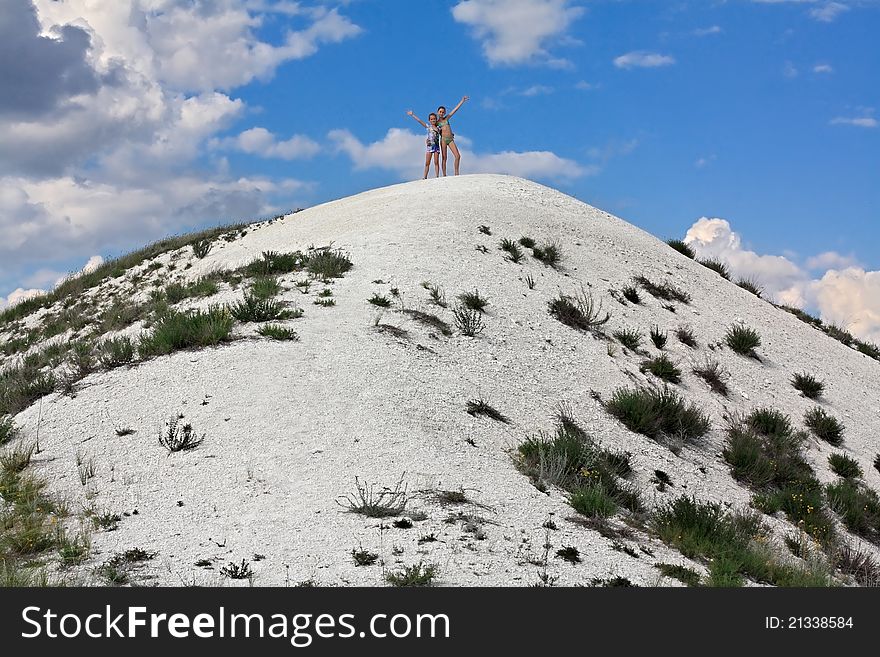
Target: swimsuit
(446,140)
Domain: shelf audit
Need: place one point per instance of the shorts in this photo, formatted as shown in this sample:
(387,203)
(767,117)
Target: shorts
(434,147)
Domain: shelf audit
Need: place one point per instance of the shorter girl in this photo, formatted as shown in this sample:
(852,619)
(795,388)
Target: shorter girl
(432,142)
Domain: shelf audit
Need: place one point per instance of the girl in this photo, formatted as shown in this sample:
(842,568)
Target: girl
(432,142)
(447,138)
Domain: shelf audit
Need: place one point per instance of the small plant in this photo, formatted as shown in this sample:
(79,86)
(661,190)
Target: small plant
(686,336)
(382,504)
(8,430)
(658,337)
(845,466)
(417,575)
(712,372)
(116,352)
(662,368)
(265,287)
(683,574)
(857,505)
(438,295)
(200,248)
(482,248)
(769,422)
(808,385)
(429,320)
(665,291)
(177,438)
(570,554)
(593,501)
(485,230)
(85,467)
(580,312)
(840,334)
(72,550)
(469,322)
(482,407)
(629,338)
(717,266)
(751,285)
(177,330)
(363,557)
(631,294)
(743,340)
(277,332)
(656,413)
(234,570)
(325,263)
(826,427)
(473,300)
(527,242)
(530,281)
(255,309)
(514,253)
(682,247)
(550,253)
(379,300)
(402,523)
(326,302)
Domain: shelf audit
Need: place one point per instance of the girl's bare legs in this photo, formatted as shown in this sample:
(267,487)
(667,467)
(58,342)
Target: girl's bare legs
(443,153)
(436,165)
(428,163)
(457,155)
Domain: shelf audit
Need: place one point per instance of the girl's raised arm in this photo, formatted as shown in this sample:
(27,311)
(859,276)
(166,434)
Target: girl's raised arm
(410,113)
(457,107)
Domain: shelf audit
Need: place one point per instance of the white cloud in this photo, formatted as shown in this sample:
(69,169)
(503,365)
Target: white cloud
(259,141)
(518,31)
(789,70)
(823,68)
(536,90)
(583,85)
(858,121)
(708,31)
(845,294)
(19,294)
(828,12)
(403,152)
(703,162)
(643,59)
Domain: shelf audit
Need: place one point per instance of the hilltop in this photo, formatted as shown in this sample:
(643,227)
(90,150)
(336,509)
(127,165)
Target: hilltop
(525,453)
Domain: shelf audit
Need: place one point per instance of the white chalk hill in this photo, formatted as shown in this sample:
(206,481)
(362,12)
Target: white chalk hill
(289,425)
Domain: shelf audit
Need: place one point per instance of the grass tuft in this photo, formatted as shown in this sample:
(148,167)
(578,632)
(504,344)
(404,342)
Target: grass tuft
(665,291)
(417,575)
(580,311)
(657,337)
(514,253)
(629,338)
(682,247)
(277,332)
(808,385)
(116,352)
(657,413)
(253,308)
(379,300)
(177,330)
(550,253)
(717,266)
(662,368)
(631,294)
(686,336)
(365,500)
(826,427)
(473,300)
(743,340)
(845,466)
(469,322)
(751,285)
(482,407)
(179,438)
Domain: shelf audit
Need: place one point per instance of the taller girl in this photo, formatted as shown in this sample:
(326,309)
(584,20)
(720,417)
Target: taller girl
(447,137)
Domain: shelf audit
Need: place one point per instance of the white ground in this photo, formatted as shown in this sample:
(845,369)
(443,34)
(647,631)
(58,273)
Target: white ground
(289,425)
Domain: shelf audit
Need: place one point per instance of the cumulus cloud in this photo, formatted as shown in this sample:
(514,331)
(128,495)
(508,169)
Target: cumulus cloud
(518,31)
(828,12)
(259,141)
(403,152)
(823,68)
(19,294)
(643,59)
(845,294)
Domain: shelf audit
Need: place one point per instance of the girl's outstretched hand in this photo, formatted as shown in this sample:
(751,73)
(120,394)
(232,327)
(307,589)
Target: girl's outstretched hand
(464,98)
(409,112)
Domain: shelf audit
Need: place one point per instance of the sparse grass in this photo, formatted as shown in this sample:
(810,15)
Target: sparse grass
(8,430)
(686,336)
(570,554)
(469,322)
(550,253)
(429,320)
(365,500)
(325,302)
(485,230)
(629,338)
(657,413)
(530,282)
(265,287)
(277,332)
(826,427)
(666,290)
(845,466)
(473,300)
(579,312)
(240,570)
(72,550)
(203,287)
(808,385)
(363,557)
(751,285)
(658,337)
(769,421)
(272,263)
(840,334)
(379,300)
(859,564)
(255,309)
(514,253)
(438,294)
(631,294)
(743,340)
(482,407)
(682,247)
(177,330)
(683,574)
(21,385)
(201,248)
(868,348)
(15,460)
(717,266)
(326,263)
(662,368)
(593,501)
(179,438)
(116,352)
(417,575)
(85,467)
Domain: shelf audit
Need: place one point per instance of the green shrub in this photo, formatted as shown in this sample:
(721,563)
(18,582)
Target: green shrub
(704,529)
(277,332)
(665,291)
(593,501)
(22,385)
(379,300)
(857,505)
(203,287)
(769,421)
(686,336)
(417,575)
(826,427)
(272,263)
(254,309)
(840,334)
(808,385)
(658,337)
(845,466)
(656,413)
(527,242)
(178,330)
(473,300)
(743,340)
(717,266)
(514,253)
(550,253)
(265,287)
(115,352)
(326,263)
(869,349)
(200,248)
(631,294)
(751,285)
(629,338)
(682,247)
(683,574)
(579,312)
(8,430)
(662,368)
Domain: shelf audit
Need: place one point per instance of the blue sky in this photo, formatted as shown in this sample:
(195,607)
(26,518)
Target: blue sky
(158,116)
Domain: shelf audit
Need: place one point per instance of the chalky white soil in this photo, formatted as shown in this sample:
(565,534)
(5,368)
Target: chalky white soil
(289,425)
